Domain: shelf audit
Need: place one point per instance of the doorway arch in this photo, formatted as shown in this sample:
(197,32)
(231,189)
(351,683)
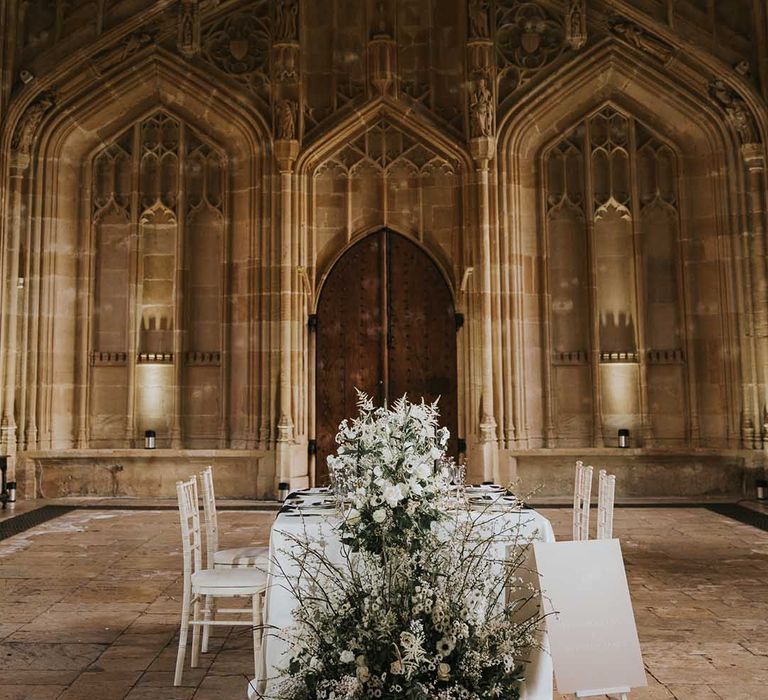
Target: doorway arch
(386,324)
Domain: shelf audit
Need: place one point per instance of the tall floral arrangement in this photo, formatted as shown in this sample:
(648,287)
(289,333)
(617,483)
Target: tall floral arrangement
(427,599)
(388,474)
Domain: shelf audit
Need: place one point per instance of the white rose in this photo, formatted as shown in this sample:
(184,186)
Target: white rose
(347,656)
(423,470)
(393,494)
(379,515)
(435,453)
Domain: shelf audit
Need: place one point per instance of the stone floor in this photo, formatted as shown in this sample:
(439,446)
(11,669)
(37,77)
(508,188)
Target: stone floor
(89,606)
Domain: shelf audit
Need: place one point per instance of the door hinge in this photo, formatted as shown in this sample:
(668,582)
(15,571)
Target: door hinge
(312,322)
(459,320)
(312,447)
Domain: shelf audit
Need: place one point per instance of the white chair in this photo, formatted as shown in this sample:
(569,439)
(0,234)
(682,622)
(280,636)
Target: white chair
(582,493)
(605,496)
(202,584)
(222,558)
(218,558)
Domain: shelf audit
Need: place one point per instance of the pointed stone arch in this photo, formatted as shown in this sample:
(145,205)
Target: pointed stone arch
(707,148)
(60,253)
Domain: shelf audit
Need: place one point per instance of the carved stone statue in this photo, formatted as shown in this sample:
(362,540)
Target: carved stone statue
(736,110)
(481,111)
(478,19)
(636,37)
(24,136)
(188,41)
(576,24)
(739,115)
(285,120)
(112,57)
(286,20)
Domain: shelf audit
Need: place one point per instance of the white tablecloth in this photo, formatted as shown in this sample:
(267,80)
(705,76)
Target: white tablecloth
(280,602)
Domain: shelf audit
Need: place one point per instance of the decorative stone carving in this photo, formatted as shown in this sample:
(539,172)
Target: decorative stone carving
(743,68)
(640,39)
(24,136)
(117,55)
(479,26)
(285,120)
(576,24)
(188,41)
(739,115)
(238,45)
(285,62)
(528,38)
(481,111)
(385,146)
(286,20)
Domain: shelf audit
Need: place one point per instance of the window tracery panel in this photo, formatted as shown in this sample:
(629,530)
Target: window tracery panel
(158,201)
(614,281)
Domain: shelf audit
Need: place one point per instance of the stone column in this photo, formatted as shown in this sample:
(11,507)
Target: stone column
(482,142)
(286,151)
(754,159)
(482,152)
(287,123)
(8,428)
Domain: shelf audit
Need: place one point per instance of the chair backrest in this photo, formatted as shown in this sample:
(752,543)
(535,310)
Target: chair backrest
(189,514)
(605,497)
(582,493)
(211,518)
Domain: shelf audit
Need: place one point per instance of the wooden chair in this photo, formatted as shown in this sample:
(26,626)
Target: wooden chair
(605,497)
(582,493)
(202,584)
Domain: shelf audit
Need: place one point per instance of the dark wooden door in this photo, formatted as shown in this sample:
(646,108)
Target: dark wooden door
(386,325)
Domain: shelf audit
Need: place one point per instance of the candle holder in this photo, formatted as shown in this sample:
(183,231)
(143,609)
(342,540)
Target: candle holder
(623,437)
(149,439)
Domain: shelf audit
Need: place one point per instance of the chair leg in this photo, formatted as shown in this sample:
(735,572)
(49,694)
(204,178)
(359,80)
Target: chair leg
(196,634)
(257,632)
(207,613)
(183,631)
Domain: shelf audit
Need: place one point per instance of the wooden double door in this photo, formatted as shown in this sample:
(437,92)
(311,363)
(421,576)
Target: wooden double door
(386,324)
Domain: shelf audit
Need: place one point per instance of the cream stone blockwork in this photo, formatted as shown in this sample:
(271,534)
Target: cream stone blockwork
(179,178)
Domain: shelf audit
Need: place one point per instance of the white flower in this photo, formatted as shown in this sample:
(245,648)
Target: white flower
(443,671)
(353,516)
(423,470)
(380,515)
(347,656)
(396,667)
(435,453)
(445,645)
(393,494)
(415,487)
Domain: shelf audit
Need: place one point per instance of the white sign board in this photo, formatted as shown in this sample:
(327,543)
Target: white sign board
(592,633)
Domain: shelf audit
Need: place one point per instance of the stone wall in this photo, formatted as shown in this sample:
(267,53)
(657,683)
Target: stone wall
(179,179)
